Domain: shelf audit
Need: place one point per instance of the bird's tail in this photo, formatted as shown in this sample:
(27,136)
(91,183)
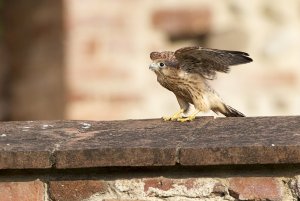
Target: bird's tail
(229,111)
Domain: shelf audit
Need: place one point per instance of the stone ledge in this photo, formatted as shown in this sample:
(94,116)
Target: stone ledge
(205,141)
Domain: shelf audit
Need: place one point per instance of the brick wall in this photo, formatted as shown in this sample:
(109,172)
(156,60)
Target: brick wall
(155,189)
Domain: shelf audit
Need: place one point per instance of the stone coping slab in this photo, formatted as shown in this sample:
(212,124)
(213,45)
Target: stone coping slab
(153,142)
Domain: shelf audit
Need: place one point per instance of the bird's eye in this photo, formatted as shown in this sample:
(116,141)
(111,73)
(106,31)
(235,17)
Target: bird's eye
(161,64)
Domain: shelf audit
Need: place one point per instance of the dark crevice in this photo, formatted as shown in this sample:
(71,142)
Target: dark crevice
(177,171)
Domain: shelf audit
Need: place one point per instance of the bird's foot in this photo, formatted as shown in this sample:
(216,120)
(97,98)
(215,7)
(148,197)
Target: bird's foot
(189,118)
(185,119)
(174,117)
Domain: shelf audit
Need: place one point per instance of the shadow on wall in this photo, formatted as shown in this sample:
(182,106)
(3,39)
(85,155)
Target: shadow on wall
(4,75)
(33,38)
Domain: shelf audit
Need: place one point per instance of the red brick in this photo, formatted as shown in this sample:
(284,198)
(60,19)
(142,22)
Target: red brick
(189,183)
(75,190)
(22,191)
(255,188)
(159,183)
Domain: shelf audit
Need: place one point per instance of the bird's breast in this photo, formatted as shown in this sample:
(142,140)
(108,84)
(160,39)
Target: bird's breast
(182,86)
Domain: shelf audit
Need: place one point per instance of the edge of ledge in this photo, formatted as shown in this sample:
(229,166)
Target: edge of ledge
(149,142)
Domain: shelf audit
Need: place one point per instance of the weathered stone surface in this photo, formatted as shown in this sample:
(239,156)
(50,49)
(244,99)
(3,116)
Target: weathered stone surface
(250,140)
(159,183)
(27,144)
(255,188)
(219,189)
(71,144)
(22,191)
(205,141)
(75,190)
(31,144)
(294,184)
(25,159)
(115,157)
(125,143)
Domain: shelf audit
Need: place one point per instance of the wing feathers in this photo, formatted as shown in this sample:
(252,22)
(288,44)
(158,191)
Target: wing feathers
(206,61)
(236,57)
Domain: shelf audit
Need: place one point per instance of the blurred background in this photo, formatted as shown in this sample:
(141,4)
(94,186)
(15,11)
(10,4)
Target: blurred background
(75,59)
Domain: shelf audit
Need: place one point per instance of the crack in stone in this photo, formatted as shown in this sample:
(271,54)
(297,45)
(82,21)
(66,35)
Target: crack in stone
(53,158)
(178,148)
(53,153)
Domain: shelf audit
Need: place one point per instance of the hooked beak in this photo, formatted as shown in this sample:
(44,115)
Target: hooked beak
(153,66)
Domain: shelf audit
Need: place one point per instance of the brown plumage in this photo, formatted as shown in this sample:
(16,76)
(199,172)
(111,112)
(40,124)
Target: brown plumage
(185,72)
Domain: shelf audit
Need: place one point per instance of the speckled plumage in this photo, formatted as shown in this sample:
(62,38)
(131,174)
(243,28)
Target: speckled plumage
(185,72)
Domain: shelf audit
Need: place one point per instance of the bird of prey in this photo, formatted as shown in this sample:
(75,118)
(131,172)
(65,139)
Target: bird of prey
(186,72)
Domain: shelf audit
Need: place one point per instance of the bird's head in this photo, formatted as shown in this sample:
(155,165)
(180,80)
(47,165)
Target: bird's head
(163,62)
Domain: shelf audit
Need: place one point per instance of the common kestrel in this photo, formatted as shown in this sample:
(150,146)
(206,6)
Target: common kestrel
(185,72)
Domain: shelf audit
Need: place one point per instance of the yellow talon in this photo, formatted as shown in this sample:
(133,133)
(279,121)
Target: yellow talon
(166,118)
(189,118)
(174,117)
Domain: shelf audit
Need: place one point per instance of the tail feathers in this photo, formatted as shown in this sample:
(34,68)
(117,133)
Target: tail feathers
(230,112)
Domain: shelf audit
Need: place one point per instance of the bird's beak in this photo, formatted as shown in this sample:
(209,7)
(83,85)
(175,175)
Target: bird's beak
(153,66)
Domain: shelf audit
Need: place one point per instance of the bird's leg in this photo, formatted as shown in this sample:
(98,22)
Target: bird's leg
(189,118)
(175,116)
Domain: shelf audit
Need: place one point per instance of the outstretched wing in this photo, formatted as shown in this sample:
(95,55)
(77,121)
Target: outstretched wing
(206,61)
